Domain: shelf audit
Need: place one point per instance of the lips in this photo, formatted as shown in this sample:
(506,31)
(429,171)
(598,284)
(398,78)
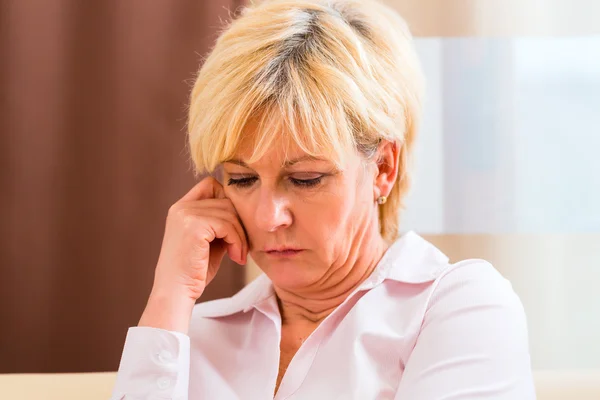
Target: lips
(283,251)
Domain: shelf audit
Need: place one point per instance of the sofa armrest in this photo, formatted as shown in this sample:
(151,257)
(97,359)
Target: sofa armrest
(71,386)
(569,384)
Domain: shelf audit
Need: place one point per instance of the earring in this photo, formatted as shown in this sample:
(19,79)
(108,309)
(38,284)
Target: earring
(381,199)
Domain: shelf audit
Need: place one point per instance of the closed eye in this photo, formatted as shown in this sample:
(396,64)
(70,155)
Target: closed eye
(306,182)
(249,181)
(242,182)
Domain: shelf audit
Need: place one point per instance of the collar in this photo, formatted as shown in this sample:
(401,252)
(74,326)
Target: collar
(410,259)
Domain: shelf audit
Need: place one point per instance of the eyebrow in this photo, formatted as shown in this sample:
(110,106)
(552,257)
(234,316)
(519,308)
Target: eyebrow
(288,163)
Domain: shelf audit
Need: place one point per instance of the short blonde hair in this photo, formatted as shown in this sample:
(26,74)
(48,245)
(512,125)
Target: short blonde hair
(335,75)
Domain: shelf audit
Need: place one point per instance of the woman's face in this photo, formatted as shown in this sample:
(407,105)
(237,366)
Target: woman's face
(319,212)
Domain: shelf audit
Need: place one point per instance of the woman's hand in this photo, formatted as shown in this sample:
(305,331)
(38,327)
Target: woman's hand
(200,228)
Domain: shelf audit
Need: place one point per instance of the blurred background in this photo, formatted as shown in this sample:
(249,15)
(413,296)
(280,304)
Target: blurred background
(92,154)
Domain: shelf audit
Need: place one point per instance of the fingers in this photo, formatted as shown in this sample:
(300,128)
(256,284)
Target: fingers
(234,220)
(221,227)
(207,188)
(224,209)
(215,205)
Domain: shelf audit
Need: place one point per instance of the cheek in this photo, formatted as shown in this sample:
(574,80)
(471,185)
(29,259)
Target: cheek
(328,215)
(351,211)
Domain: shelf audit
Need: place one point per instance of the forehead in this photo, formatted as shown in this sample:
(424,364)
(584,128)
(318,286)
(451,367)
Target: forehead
(254,140)
(272,145)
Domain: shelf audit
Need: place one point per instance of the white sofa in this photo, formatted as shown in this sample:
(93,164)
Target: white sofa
(551,385)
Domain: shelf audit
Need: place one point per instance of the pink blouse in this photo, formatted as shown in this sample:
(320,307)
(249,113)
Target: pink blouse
(419,328)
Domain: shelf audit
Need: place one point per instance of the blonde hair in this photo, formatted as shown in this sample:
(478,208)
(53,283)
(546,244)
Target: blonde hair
(336,76)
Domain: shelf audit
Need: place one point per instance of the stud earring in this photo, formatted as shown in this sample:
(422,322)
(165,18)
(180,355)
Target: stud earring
(381,199)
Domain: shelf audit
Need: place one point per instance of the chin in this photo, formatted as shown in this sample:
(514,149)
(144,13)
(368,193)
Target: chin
(286,274)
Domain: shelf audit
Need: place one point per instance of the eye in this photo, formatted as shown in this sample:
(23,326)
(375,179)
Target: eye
(307,182)
(242,182)
(245,182)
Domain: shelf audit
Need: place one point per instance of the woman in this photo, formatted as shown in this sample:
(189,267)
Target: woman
(307,112)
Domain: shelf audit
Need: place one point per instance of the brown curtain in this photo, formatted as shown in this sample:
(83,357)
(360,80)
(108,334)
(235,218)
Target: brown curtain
(92,154)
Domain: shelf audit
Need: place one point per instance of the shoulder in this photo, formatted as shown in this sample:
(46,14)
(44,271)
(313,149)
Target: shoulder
(473,280)
(442,285)
(474,333)
(474,292)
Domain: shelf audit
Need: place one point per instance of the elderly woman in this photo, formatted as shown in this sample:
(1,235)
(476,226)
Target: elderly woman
(306,111)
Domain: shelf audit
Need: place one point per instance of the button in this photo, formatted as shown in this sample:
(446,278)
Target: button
(163,382)
(165,357)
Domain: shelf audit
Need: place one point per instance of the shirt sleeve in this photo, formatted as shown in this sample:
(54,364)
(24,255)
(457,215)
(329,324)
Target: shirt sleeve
(154,365)
(473,342)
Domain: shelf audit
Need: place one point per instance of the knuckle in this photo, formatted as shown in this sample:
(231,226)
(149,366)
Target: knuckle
(173,209)
(177,210)
(200,233)
(188,221)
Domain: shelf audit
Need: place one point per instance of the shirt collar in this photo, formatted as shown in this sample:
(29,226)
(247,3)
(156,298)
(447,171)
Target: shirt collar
(410,259)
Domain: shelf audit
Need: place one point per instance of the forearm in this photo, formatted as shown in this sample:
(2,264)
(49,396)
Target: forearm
(167,311)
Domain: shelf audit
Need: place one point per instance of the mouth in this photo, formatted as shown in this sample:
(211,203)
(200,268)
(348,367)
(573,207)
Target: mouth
(283,252)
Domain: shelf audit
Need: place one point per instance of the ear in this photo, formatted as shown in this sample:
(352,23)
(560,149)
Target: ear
(388,155)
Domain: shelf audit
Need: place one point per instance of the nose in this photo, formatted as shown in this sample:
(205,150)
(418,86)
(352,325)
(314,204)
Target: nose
(272,211)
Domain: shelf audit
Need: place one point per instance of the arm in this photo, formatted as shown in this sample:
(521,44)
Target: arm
(200,228)
(473,342)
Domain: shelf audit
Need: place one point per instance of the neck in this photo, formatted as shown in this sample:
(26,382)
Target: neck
(313,304)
